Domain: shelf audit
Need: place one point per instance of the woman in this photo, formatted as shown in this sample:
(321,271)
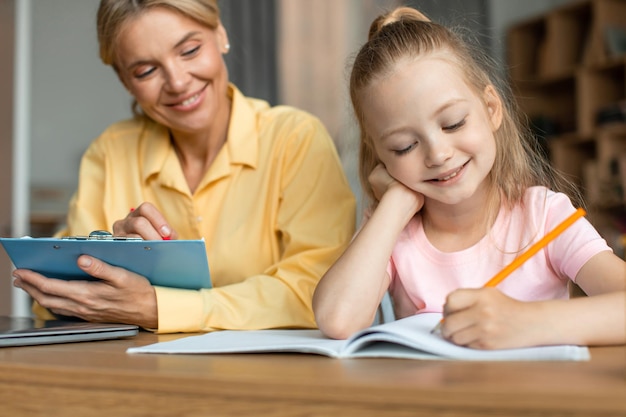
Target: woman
(200,160)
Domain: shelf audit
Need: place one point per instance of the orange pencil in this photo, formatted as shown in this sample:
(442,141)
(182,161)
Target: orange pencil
(517,262)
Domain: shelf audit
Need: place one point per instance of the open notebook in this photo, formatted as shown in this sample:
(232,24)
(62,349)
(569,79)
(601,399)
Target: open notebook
(408,338)
(24,331)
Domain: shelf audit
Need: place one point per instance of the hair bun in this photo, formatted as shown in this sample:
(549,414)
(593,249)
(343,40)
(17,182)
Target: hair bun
(397,15)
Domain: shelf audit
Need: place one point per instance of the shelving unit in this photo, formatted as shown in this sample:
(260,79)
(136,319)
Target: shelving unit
(568,70)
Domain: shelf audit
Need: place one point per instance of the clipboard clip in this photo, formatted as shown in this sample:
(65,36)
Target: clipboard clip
(101,235)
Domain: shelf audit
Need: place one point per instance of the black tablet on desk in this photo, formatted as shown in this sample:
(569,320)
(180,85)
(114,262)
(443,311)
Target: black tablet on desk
(25,331)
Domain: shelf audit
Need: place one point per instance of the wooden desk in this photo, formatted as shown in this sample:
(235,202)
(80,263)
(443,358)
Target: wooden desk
(99,378)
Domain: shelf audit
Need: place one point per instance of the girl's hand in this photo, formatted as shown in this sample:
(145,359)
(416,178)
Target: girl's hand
(382,182)
(146,222)
(118,296)
(487,319)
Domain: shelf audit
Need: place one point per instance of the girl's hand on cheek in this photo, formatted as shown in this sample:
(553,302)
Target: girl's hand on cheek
(382,182)
(485,318)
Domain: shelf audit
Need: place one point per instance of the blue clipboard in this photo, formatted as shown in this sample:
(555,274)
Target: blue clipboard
(167,263)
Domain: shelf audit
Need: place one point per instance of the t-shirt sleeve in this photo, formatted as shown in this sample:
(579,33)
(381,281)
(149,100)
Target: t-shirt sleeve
(577,244)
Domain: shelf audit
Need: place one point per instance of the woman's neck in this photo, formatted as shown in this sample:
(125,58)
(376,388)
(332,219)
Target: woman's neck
(196,151)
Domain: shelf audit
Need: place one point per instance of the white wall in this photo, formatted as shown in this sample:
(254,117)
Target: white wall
(74,95)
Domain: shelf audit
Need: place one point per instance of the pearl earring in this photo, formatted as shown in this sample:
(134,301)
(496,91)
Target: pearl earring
(227,46)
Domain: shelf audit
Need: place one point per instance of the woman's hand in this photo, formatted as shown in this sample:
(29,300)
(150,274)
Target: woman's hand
(118,296)
(486,318)
(145,222)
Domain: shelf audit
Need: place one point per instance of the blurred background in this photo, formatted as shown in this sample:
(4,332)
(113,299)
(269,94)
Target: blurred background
(56,96)
(293,52)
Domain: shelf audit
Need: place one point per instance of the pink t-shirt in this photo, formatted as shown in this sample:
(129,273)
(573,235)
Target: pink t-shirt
(423,276)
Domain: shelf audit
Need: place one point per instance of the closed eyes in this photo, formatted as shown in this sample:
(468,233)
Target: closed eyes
(145,73)
(454,127)
(450,128)
(192,51)
(406,150)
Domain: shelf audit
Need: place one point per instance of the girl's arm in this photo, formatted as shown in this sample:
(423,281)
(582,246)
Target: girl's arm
(488,319)
(601,319)
(348,295)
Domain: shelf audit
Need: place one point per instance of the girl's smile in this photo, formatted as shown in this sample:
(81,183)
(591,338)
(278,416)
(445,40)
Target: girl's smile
(447,177)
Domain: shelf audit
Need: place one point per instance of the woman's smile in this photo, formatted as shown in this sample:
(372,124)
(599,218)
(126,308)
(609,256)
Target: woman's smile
(190,102)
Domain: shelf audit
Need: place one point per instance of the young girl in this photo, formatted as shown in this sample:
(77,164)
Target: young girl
(459,191)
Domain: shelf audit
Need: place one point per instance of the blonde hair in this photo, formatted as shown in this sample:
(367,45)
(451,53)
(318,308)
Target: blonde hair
(113,14)
(406,33)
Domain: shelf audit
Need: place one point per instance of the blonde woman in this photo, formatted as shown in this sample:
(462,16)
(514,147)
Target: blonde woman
(262,185)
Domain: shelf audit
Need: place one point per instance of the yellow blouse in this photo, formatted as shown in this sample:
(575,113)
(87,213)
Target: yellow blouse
(275,210)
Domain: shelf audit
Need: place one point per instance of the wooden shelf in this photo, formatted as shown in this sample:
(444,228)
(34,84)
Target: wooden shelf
(570,79)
